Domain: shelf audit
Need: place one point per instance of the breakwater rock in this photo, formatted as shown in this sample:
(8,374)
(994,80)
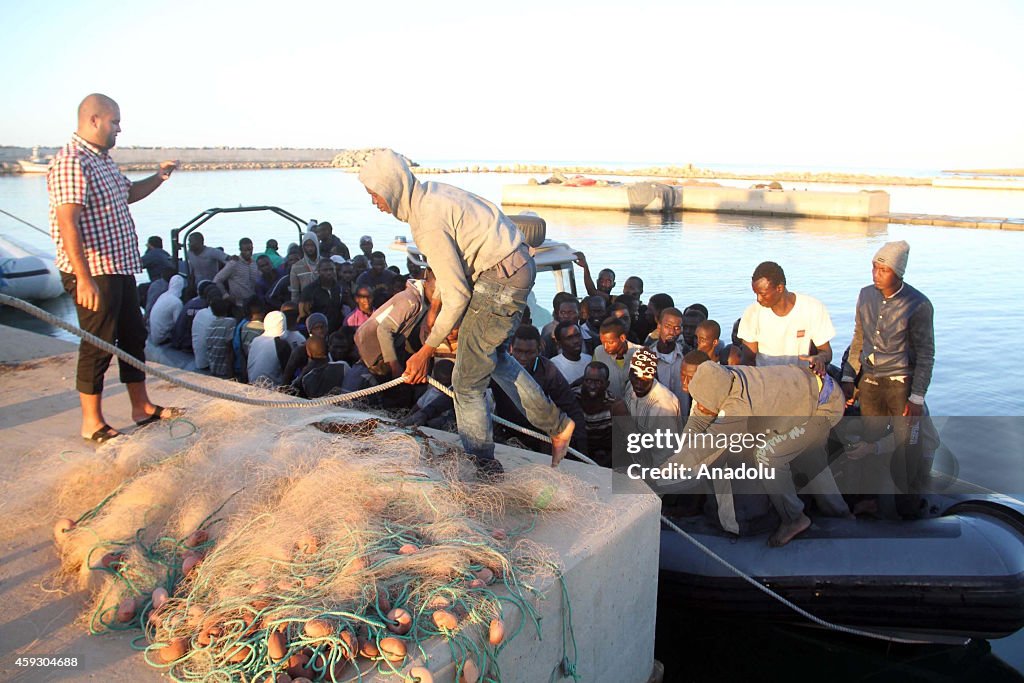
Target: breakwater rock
(350,160)
(688,172)
(353,159)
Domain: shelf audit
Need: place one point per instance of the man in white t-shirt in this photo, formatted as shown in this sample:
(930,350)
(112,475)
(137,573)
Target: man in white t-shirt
(781,326)
(571,362)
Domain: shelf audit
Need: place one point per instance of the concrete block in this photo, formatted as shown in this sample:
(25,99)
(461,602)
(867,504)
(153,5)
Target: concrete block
(20,345)
(953,222)
(654,197)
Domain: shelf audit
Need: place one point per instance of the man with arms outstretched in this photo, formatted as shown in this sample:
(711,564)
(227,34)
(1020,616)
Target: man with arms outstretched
(97,255)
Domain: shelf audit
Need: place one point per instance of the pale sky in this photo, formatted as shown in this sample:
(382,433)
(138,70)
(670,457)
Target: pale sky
(895,83)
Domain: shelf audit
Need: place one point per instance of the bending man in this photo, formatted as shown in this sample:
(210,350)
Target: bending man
(792,408)
(484,272)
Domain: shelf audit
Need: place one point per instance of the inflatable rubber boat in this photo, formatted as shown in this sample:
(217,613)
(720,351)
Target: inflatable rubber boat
(27,275)
(955,575)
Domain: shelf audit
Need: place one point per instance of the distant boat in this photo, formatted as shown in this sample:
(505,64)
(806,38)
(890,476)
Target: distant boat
(35,163)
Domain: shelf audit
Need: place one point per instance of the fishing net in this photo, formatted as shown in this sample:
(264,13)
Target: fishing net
(248,542)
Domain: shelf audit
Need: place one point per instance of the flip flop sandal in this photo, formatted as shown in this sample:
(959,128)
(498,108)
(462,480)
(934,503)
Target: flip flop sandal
(104,434)
(161,413)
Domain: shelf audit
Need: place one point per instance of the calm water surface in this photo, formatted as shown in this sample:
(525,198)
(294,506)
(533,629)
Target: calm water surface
(971,276)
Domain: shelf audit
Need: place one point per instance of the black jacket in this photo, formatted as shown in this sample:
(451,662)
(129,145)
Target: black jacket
(893,337)
(326,301)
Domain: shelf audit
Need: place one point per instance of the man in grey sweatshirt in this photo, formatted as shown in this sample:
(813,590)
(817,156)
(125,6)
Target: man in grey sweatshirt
(381,338)
(777,414)
(484,273)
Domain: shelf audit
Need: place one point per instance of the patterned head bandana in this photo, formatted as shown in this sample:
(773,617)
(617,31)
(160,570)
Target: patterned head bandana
(644,364)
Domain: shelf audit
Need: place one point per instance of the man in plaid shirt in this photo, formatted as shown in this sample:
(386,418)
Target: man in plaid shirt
(98,256)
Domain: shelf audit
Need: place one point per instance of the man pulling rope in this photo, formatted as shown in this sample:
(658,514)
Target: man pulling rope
(484,273)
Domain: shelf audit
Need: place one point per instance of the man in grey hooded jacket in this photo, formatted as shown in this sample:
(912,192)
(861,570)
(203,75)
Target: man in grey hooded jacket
(484,273)
(792,410)
(305,270)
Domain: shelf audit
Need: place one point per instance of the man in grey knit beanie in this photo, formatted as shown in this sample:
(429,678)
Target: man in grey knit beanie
(891,359)
(894,255)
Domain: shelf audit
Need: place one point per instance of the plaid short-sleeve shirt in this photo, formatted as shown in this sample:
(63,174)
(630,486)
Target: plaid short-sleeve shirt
(83,174)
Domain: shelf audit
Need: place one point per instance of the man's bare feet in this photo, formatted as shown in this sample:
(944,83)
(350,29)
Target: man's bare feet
(868,506)
(787,531)
(488,470)
(560,443)
(143,411)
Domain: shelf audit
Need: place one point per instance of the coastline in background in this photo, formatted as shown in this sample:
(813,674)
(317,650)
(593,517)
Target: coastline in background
(132,159)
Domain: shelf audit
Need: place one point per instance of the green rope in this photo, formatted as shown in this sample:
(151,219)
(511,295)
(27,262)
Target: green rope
(69,451)
(92,512)
(566,667)
(181,420)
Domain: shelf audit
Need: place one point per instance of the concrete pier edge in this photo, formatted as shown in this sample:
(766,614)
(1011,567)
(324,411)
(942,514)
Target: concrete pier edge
(609,560)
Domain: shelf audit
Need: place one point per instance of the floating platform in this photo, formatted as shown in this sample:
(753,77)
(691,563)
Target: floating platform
(980,183)
(977,222)
(610,560)
(664,198)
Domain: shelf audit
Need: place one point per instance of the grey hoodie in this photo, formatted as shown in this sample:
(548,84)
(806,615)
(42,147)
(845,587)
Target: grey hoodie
(774,390)
(757,400)
(461,234)
(304,270)
(166,310)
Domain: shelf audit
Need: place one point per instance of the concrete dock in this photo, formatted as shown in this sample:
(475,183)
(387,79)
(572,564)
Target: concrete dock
(652,197)
(610,562)
(662,197)
(979,222)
